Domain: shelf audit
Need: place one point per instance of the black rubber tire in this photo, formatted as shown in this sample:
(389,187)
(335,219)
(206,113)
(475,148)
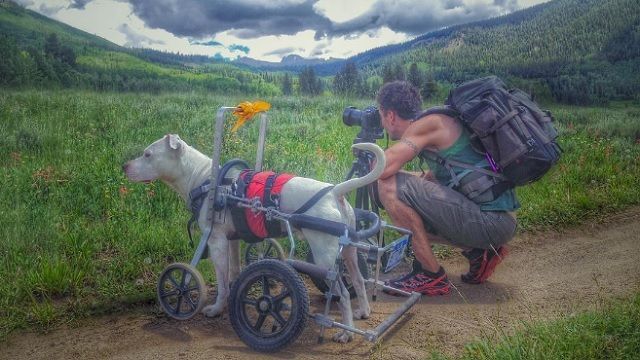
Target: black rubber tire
(179,298)
(266,249)
(365,270)
(253,310)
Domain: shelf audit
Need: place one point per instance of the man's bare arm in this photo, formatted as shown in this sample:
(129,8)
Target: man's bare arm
(417,137)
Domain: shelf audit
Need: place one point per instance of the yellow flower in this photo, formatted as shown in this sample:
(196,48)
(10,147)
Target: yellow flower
(246,110)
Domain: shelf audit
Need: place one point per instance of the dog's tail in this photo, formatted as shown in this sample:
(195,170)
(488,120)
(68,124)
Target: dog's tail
(352,184)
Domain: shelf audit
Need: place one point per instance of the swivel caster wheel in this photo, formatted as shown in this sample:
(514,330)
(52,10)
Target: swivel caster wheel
(181,291)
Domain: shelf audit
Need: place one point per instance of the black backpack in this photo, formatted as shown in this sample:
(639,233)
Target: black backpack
(517,137)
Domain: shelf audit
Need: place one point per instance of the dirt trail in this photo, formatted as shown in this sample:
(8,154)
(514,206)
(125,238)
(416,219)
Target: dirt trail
(546,275)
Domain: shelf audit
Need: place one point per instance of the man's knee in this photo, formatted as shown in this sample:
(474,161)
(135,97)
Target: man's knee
(387,189)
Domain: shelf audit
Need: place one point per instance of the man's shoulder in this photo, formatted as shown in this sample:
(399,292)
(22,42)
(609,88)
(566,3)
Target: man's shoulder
(434,121)
(442,111)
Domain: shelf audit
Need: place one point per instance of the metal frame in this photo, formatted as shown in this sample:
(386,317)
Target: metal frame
(374,252)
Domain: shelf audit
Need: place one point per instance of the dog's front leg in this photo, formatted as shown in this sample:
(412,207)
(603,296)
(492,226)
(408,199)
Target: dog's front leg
(219,253)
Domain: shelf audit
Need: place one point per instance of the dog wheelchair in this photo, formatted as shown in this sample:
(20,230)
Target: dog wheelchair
(269,302)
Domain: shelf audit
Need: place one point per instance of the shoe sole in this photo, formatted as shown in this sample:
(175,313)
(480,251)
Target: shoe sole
(433,292)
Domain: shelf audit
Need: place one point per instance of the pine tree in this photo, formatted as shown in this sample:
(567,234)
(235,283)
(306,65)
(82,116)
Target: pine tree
(348,81)
(309,84)
(387,73)
(287,86)
(429,88)
(415,77)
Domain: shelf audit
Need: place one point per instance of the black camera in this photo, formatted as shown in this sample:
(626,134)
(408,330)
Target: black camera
(369,121)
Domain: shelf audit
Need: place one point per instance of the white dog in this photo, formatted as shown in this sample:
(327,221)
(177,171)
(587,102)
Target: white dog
(184,168)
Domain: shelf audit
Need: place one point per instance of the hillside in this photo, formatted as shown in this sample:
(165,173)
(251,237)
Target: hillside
(570,51)
(41,52)
(576,51)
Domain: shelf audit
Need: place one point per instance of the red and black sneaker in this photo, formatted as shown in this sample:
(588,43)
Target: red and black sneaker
(482,263)
(421,281)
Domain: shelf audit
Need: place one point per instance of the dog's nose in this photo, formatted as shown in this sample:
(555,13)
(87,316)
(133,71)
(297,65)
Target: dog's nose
(125,167)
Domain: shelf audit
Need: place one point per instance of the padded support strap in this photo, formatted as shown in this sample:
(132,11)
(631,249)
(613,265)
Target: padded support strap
(314,223)
(271,201)
(314,199)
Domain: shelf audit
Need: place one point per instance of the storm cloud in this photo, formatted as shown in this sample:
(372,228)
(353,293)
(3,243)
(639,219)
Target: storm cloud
(79,4)
(255,18)
(200,19)
(419,17)
(245,18)
(283,51)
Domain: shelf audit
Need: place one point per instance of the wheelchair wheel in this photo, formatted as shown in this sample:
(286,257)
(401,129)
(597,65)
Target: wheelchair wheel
(321,284)
(181,291)
(266,249)
(268,305)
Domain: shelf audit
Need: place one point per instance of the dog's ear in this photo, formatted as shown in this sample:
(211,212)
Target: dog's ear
(175,142)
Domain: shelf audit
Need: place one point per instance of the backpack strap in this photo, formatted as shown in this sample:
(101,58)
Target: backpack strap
(475,187)
(447,110)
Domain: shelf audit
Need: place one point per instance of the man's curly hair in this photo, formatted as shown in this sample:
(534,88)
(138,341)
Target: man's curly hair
(401,97)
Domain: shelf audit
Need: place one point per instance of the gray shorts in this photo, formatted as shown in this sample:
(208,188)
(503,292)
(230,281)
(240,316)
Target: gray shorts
(451,215)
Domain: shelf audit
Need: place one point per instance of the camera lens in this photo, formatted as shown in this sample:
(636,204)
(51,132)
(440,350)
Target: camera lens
(351,116)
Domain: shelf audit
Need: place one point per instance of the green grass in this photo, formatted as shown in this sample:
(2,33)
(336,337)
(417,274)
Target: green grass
(79,238)
(610,332)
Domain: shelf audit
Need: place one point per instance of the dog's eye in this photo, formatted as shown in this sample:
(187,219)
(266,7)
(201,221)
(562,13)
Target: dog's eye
(147,154)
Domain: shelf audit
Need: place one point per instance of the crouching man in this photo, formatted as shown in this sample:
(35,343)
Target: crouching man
(428,204)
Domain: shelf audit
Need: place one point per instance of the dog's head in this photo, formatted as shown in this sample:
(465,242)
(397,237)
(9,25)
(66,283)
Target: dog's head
(160,160)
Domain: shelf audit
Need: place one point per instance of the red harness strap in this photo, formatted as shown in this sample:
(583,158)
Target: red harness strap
(262,184)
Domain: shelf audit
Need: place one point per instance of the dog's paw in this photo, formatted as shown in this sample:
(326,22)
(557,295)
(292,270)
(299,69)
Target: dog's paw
(343,337)
(361,314)
(212,310)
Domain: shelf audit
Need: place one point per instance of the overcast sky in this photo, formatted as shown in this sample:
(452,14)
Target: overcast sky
(267,29)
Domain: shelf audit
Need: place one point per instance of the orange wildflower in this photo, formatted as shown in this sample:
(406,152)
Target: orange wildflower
(246,110)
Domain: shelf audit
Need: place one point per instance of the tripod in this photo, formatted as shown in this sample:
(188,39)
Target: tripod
(365,196)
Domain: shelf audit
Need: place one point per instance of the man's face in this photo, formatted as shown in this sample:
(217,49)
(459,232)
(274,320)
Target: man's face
(388,121)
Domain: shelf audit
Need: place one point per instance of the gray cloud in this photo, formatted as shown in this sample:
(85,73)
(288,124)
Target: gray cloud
(255,18)
(283,51)
(137,40)
(418,17)
(79,4)
(242,48)
(247,18)
(212,43)
(320,49)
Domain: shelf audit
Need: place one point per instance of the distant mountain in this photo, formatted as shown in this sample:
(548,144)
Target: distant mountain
(332,66)
(288,63)
(574,51)
(542,41)
(39,51)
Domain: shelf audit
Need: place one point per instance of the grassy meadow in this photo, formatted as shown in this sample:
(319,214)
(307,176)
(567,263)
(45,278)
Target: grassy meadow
(78,238)
(608,332)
